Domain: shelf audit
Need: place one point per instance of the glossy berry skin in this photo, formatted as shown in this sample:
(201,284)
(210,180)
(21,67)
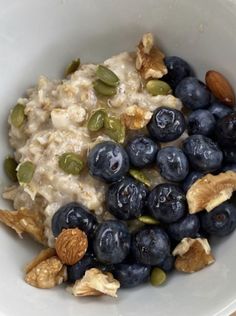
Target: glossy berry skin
(186,227)
(201,122)
(142,151)
(203,153)
(226,130)
(193,93)
(111,242)
(131,274)
(168,263)
(219,110)
(229,167)
(78,270)
(221,221)
(108,161)
(166,124)
(74,215)
(190,179)
(230,154)
(178,69)
(173,163)
(167,203)
(150,246)
(126,198)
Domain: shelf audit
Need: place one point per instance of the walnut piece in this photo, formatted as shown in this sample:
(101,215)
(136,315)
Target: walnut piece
(193,255)
(210,191)
(47,274)
(25,221)
(150,59)
(71,245)
(96,283)
(42,256)
(136,117)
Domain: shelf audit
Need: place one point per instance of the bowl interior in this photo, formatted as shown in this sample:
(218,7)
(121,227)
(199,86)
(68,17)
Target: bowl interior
(40,37)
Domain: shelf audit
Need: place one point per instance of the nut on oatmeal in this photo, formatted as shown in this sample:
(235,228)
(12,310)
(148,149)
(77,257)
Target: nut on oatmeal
(136,117)
(150,59)
(193,255)
(42,256)
(71,245)
(210,191)
(96,283)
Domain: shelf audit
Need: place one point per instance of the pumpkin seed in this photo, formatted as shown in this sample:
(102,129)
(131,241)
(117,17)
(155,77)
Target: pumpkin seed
(25,172)
(96,120)
(71,163)
(140,176)
(114,128)
(148,220)
(72,67)
(18,115)
(107,76)
(10,166)
(158,87)
(103,89)
(158,277)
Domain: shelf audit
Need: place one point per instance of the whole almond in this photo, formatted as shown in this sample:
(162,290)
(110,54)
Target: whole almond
(71,245)
(220,87)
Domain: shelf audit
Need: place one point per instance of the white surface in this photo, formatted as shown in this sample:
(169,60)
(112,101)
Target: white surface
(38,37)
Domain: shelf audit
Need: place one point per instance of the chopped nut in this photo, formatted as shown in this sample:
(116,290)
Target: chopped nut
(42,256)
(193,255)
(136,117)
(25,221)
(150,59)
(95,283)
(210,191)
(47,274)
(71,245)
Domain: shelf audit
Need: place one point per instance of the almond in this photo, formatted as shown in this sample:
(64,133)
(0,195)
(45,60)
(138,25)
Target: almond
(71,245)
(220,87)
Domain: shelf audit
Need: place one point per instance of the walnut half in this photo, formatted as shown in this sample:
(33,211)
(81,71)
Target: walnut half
(136,117)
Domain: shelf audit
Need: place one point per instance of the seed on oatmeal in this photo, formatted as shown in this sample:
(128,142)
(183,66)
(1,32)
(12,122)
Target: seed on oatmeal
(10,166)
(158,277)
(25,172)
(72,67)
(140,176)
(18,115)
(71,163)
(103,89)
(96,120)
(107,76)
(158,87)
(114,128)
(148,220)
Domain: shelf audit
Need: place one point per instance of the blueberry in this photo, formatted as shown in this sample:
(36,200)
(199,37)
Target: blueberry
(150,245)
(166,124)
(178,69)
(203,153)
(190,179)
(226,130)
(201,122)
(193,93)
(131,275)
(221,221)
(173,163)
(185,227)
(230,154)
(126,198)
(168,263)
(108,161)
(78,270)
(142,151)
(111,242)
(167,202)
(229,167)
(74,215)
(219,110)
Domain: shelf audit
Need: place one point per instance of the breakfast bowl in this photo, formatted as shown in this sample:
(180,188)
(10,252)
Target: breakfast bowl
(41,37)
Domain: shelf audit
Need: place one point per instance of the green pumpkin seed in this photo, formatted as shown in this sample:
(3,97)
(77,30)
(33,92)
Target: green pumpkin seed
(148,220)
(140,176)
(102,89)
(25,172)
(158,277)
(115,128)
(71,163)
(10,166)
(18,115)
(72,67)
(158,87)
(107,76)
(96,120)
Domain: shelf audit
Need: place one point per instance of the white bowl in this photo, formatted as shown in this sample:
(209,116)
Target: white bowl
(40,37)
